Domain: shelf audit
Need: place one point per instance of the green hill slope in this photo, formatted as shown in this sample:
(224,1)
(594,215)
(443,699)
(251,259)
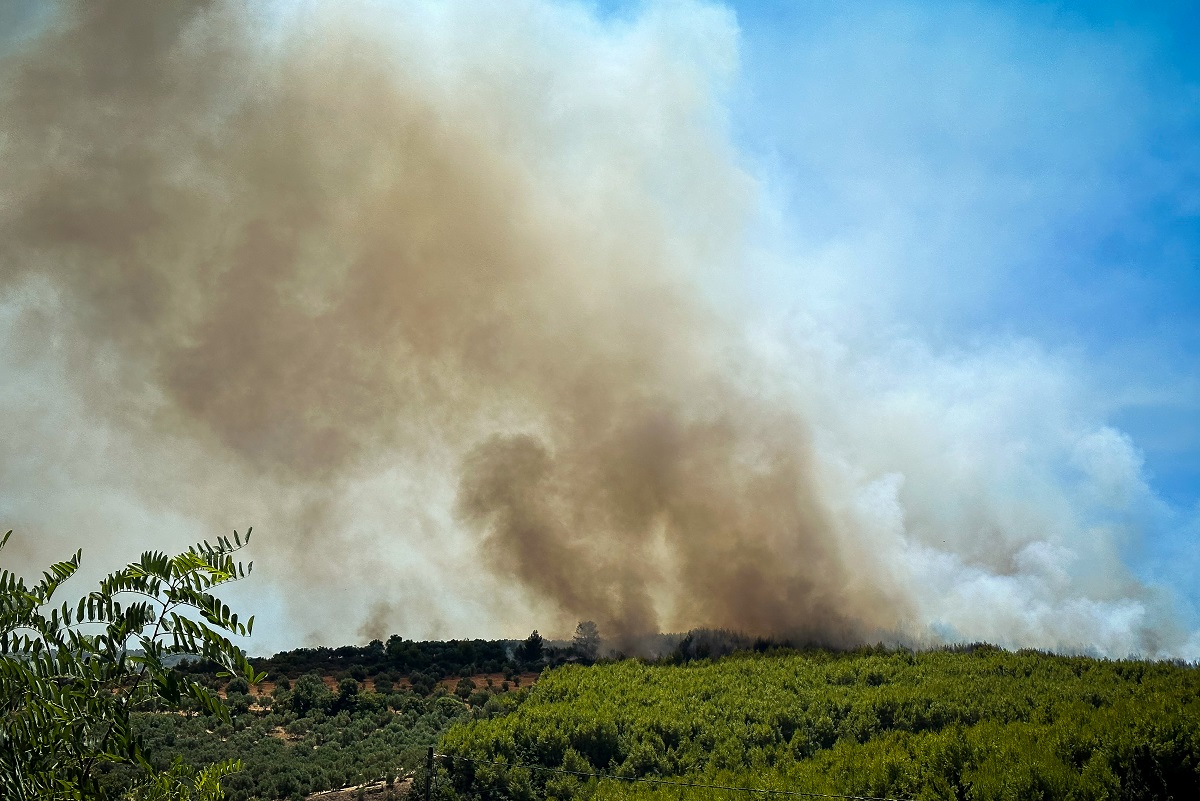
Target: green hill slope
(984,724)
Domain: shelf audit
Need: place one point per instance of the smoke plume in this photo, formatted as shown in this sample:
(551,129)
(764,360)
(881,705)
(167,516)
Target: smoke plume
(440,306)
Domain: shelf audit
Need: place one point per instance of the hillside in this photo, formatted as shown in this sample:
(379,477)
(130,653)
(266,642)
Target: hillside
(321,732)
(978,724)
(974,723)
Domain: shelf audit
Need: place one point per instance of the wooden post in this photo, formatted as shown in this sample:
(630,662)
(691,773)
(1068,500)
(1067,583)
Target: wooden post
(429,775)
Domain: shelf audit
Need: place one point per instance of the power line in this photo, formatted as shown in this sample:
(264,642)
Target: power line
(763,790)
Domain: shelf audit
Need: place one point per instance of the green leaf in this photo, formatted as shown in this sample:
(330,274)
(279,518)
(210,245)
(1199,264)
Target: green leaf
(66,694)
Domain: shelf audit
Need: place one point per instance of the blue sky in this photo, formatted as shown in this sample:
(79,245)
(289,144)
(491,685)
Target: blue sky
(1039,163)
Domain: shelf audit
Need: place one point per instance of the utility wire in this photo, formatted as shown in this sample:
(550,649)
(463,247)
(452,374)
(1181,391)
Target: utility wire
(762,790)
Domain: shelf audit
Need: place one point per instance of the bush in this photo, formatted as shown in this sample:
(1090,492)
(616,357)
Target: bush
(310,695)
(237,685)
(422,683)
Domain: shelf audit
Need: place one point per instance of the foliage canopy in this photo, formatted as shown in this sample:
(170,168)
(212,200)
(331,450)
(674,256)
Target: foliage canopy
(979,724)
(71,674)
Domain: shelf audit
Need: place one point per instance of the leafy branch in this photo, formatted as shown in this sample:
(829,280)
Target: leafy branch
(70,674)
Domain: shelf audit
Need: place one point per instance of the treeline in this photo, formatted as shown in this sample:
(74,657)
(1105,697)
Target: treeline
(980,723)
(398,658)
(437,660)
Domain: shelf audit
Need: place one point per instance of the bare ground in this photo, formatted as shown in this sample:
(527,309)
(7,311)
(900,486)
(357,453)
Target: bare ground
(375,791)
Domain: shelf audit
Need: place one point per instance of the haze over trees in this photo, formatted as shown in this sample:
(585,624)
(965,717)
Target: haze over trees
(587,640)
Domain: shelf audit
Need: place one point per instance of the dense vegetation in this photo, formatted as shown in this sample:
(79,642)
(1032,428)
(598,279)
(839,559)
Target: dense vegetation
(72,674)
(298,747)
(398,656)
(308,736)
(977,724)
(414,660)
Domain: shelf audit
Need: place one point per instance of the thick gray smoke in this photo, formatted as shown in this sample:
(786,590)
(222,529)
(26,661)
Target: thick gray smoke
(297,266)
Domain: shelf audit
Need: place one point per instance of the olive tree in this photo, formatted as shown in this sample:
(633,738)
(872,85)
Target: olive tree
(71,674)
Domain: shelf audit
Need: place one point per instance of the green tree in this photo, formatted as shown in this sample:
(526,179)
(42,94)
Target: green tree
(530,651)
(310,693)
(237,684)
(71,674)
(422,683)
(347,696)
